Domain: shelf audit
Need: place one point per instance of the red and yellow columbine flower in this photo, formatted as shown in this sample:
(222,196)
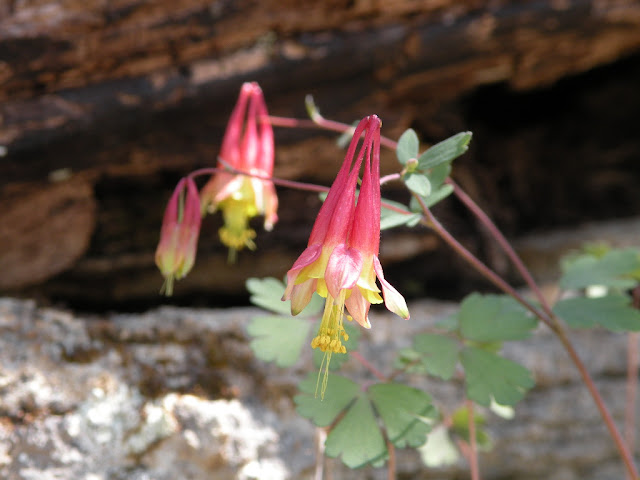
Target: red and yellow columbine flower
(247,146)
(176,252)
(341,259)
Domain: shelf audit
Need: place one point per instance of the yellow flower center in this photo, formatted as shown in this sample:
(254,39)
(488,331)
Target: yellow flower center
(237,210)
(330,335)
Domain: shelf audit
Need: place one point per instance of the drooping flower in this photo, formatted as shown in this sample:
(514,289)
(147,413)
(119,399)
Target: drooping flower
(341,261)
(176,252)
(247,146)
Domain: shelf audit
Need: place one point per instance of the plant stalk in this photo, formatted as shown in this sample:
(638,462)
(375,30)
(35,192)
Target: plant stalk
(552,322)
(473,443)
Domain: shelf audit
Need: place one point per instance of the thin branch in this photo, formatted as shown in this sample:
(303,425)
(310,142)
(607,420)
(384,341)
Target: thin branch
(473,443)
(504,244)
(633,364)
(319,121)
(552,323)
(632,391)
(309,187)
(483,269)
(369,366)
(391,464)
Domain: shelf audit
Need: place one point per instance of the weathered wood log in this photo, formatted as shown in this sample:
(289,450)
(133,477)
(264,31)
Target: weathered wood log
(124,98)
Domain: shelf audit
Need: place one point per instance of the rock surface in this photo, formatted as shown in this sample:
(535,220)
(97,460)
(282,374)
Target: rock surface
(176,393)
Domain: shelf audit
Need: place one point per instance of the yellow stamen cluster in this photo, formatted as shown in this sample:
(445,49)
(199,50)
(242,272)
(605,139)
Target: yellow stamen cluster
(330,335)
(329,339)
(236,233)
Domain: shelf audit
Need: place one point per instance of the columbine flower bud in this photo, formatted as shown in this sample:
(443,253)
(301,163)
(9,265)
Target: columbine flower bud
(341,260)
(176,252)
(248,147)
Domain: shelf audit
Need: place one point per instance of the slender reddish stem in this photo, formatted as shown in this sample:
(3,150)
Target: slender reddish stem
(320,122)
(633,363)
(504,244)
(604,412)
(369,366)
(309,187)
(552,323)
(391,463)
(484,270)
(473,443)
(632,390)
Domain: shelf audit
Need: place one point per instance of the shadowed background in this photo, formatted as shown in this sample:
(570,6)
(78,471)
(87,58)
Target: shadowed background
(104,106)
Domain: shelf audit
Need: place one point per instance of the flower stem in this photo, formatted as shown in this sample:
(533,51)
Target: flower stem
(369,366)
(552,322)
(319,121)
(483,269)
(391,464)
(473,443)
(504,244)
(309,187)
(632,380)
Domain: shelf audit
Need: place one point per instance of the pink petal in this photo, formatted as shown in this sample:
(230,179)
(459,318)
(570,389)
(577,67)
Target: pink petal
(301,295)
(343,269)
(358,308)
(392,298)
(307,257)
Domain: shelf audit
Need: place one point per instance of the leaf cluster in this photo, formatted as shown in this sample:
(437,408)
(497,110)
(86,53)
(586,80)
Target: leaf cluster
(279,337)
(424,174)
(615,272)
(473,339)
(361,419)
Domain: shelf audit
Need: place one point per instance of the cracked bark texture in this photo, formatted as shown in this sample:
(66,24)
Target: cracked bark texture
(104,105)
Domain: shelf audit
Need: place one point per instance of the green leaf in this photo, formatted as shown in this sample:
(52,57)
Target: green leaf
(407,413)
(267,293)
(438,175)
(338,359)
(614,269)
(445,151)
(396,219)
(439,354)
(278,339)
(436,196)
(488,376)
(494,318)
(390,218)
(339,394)
(408,146)
(418,183)
(357,437)
(613,312)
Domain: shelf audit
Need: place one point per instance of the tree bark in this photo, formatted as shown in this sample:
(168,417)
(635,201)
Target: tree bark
(105,105)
